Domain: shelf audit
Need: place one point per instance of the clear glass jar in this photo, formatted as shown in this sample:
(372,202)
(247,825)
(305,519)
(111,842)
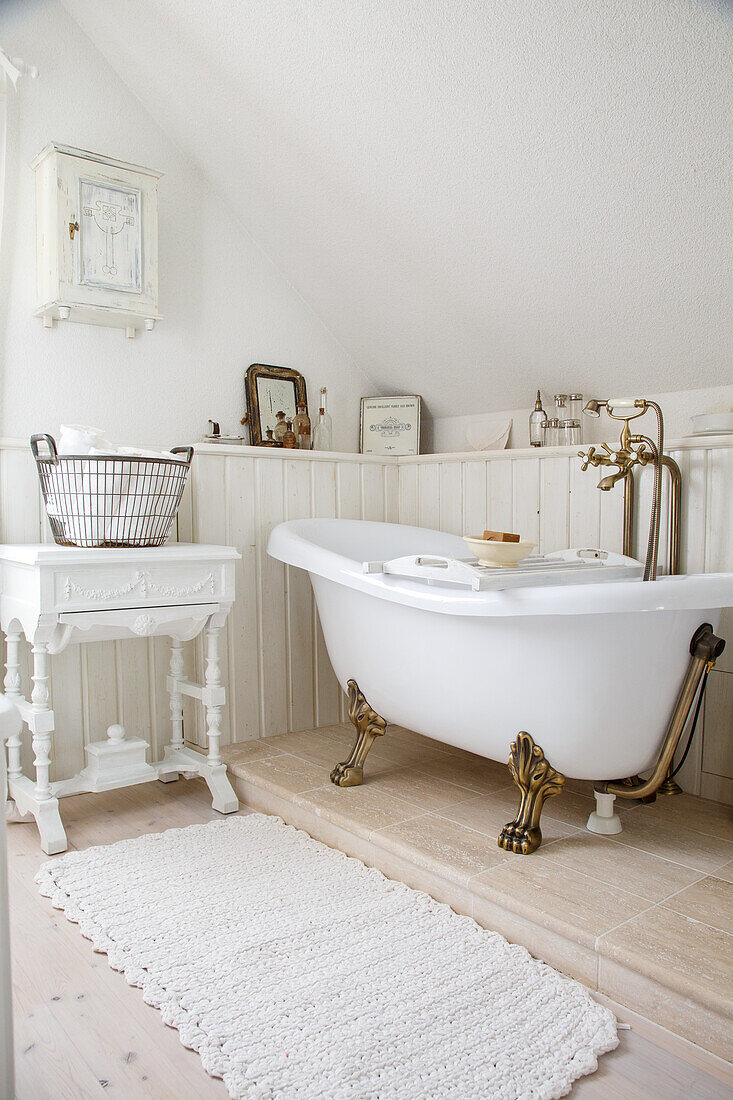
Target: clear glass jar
(575,406)
(569,433)
(552,432)
(561,409)
(575,412)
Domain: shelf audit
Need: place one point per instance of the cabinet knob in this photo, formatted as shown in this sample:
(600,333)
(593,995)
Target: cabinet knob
(73,228)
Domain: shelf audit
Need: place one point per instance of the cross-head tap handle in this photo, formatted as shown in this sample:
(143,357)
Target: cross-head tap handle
(587,458)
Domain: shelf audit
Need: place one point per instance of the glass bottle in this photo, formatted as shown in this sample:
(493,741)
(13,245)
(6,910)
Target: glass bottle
(537,422)
(280,427)
(289,439)
(323,433)
(302,427)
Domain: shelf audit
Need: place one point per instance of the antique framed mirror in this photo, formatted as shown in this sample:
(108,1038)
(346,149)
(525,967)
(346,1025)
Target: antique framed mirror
(270,390)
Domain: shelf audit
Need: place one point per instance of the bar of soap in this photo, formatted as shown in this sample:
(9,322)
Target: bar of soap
(500,536)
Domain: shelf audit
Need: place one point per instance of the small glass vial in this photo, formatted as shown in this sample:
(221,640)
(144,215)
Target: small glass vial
(280,428)
(575,412)
(289,439)
(323,433)
(552,432)
(537,423)
(302,428)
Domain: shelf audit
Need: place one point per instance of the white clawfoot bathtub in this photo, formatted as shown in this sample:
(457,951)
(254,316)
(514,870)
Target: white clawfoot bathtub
(592,671)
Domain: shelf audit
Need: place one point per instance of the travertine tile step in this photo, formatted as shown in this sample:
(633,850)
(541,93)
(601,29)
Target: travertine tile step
(644,916)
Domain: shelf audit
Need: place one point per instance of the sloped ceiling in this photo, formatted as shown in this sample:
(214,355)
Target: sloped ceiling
(477,198)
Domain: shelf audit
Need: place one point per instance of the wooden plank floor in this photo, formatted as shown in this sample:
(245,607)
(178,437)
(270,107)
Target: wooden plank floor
(82,1032)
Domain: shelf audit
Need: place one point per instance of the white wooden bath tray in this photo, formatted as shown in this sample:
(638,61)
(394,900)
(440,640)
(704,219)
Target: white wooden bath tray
(583,566)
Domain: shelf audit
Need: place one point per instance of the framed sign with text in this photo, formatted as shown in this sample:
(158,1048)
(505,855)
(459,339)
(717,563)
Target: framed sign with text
(390,425)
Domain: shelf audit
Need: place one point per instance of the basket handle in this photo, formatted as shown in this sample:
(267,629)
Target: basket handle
(187,451)
(50,443)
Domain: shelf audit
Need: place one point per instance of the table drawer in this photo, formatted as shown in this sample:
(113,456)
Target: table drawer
(101,586)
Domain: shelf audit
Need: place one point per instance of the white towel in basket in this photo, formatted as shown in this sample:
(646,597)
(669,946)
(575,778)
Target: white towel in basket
(78,439)
(80,486)
(140,503)
(130,497)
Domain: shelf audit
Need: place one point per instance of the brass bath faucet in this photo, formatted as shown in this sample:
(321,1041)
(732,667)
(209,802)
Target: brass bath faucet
(625,457)
(638,450)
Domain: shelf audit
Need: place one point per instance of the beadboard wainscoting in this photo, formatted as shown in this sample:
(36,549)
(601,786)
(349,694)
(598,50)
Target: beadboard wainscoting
(274,660)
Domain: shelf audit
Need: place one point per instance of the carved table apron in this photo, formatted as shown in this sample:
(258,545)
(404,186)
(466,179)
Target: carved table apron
(57,595)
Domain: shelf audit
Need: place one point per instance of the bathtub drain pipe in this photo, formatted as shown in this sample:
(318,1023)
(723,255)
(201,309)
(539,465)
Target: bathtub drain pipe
(705,648)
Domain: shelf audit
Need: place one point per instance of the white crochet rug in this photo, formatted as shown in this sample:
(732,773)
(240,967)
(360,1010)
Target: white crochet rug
(295,971)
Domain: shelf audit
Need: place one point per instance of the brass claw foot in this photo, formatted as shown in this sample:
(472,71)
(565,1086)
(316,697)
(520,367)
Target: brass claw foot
(344,775)
(536,780)
(368,725)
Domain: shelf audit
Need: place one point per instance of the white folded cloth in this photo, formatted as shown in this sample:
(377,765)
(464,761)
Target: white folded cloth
(78,439)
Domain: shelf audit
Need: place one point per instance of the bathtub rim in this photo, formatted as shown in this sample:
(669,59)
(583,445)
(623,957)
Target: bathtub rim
(290,543)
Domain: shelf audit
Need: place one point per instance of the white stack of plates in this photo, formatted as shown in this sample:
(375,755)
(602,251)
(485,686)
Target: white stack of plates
(720,423)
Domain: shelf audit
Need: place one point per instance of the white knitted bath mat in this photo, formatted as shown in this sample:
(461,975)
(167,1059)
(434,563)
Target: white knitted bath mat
(295,971)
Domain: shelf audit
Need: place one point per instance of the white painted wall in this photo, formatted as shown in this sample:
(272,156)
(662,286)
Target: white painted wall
(478,198)
(225,304)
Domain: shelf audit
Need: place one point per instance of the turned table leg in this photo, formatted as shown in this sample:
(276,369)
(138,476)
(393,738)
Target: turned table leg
(176,705)
(176,698)
(215,773)
(11,684)
(45,807)
(40,697)
(213,681)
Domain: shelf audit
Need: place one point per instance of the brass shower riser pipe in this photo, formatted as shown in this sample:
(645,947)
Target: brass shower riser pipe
(705,648)
(675,491)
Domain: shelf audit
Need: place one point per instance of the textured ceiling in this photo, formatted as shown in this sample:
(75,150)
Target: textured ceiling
(477,198)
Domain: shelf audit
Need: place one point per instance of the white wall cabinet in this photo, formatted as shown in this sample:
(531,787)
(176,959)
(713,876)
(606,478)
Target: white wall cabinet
(97,239)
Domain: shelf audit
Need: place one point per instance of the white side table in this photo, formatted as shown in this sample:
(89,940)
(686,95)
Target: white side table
(56,595)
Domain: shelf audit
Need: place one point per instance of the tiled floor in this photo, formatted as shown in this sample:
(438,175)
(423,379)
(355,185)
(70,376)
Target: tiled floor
(644,917)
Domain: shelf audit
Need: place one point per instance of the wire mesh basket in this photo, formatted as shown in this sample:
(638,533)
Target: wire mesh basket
(110,500)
